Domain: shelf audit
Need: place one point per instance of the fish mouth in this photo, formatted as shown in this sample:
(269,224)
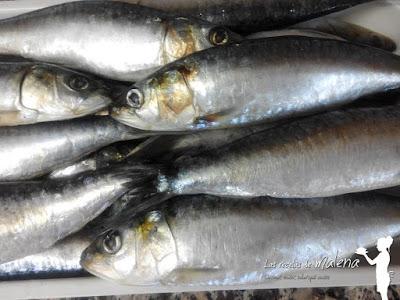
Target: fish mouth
(127,117)
(98,103)
(90,263)
(87,261)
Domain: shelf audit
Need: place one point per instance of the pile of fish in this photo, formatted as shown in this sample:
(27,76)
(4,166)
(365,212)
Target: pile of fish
(179,142)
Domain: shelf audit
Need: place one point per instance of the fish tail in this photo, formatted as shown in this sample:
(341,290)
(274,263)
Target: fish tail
(140,179)
(145,187)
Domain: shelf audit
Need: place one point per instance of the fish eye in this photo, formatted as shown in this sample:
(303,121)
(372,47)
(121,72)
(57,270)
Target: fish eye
(112,242)
(219,36)
(78,83)
(134,98)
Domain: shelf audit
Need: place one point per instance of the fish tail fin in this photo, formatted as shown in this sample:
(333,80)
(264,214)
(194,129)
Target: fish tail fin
(145,187)
(141,179)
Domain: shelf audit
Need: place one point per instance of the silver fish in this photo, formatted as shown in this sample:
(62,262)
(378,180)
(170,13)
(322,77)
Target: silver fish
(34,92)
(116,40)
(324,155)
(204,240)
(252,15)
(35,215)
(263,80)
(30,151)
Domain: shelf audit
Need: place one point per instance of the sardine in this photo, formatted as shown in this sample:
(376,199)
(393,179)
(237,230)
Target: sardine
(260,80)
(113,39)
(34,92)
(210,241)
(252,15)
(324,155)
(35,215)
(30,151)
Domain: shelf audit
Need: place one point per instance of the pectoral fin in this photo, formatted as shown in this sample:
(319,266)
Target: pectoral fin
(219,117)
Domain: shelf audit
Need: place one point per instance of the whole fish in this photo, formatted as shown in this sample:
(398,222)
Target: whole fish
(35,215)
(35,92)
(252,15)
(30,151)
(113,39)
(263,80)
(324,155)
(204,240)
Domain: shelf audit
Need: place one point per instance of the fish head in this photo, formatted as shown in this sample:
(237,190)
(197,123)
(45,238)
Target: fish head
(138,254)
(185,36)
(56,93)
(164,101)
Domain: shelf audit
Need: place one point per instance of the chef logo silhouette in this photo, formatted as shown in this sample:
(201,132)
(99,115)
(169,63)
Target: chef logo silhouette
(382,262)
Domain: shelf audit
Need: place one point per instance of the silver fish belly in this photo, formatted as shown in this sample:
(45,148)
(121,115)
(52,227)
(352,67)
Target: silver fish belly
(328,154)
(113,39)
(203,240)
(29,151)
(263,80)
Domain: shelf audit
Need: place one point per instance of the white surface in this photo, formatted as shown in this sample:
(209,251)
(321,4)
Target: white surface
(381,16)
